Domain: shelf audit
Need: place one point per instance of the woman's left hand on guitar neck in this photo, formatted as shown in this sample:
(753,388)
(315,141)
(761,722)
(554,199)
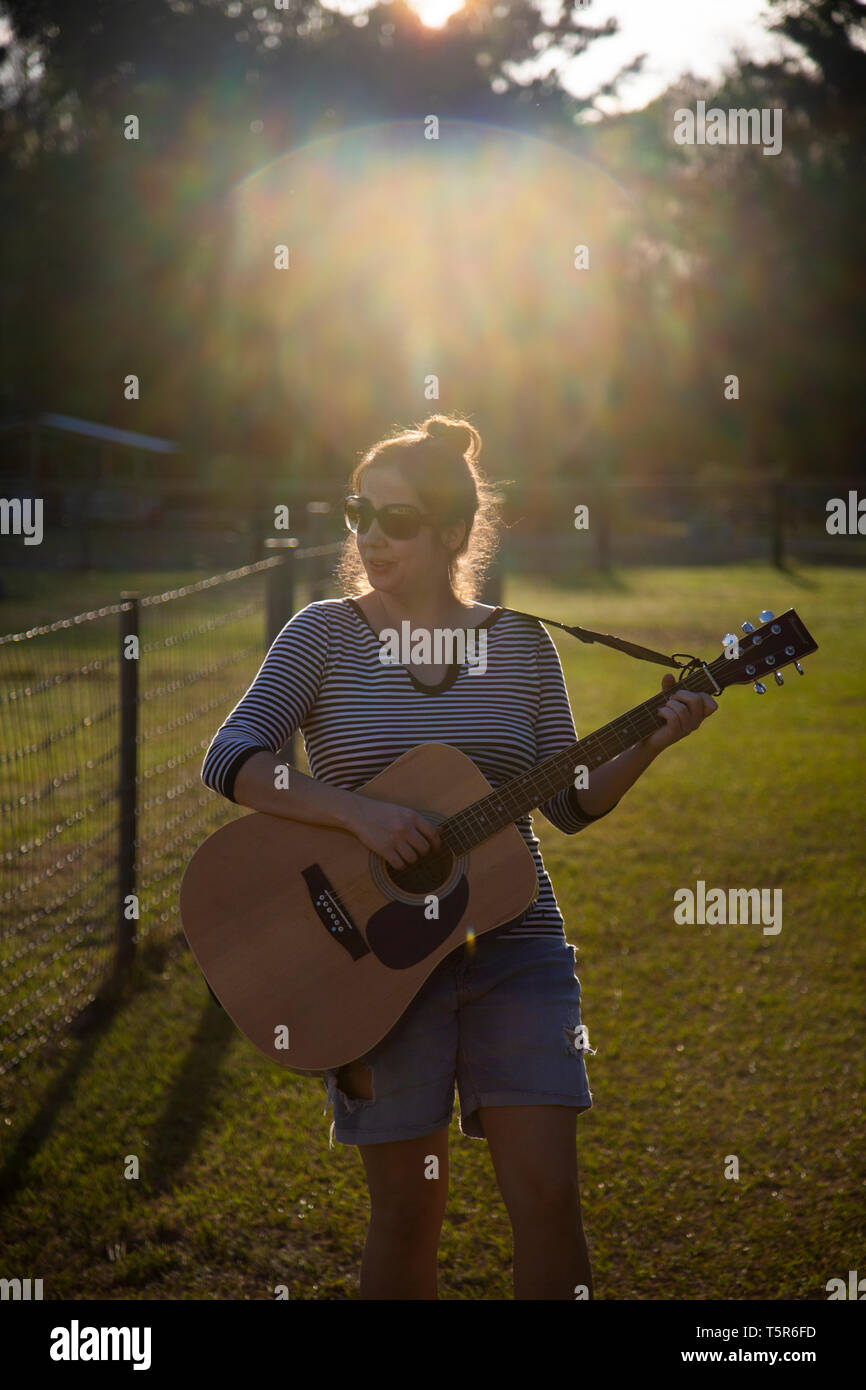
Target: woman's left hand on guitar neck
(682,713)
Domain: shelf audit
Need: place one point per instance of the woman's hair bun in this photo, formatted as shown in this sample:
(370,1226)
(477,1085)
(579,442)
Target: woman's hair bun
(457,433)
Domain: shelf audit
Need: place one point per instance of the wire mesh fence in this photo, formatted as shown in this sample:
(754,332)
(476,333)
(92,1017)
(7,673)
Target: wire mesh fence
(59,707)
(106,718)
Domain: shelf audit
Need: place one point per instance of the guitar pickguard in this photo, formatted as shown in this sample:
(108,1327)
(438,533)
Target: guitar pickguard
(400,935)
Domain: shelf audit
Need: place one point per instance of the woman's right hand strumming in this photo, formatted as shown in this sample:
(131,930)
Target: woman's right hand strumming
(399,834)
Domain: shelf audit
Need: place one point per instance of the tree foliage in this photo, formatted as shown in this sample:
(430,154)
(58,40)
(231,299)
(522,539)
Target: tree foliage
(734,262)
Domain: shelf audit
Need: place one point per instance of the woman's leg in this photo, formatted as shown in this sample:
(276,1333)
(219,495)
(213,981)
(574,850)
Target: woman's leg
(534,1153)
(405,1084)
(407,1204)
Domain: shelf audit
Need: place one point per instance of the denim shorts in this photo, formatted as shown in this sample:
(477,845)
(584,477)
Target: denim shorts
(501,1017)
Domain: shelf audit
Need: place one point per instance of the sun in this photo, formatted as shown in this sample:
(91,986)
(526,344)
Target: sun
(433,14)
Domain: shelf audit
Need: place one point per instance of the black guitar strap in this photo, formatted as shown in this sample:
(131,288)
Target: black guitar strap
(678,660)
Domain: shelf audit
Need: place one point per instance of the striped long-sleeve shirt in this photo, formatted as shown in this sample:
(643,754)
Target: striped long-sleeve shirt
(323,675)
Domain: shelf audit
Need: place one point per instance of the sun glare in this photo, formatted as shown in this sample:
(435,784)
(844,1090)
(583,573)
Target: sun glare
(435,13)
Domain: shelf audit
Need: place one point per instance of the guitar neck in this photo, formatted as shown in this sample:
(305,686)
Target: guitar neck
(476,823)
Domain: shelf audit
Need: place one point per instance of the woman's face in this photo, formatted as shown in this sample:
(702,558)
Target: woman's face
(401,566)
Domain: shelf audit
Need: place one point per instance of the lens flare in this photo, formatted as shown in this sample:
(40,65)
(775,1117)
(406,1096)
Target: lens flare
(373,265)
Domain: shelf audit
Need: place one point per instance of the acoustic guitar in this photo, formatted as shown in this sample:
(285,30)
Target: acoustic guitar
(315,946)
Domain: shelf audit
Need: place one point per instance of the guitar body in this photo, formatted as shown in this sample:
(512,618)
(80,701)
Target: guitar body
(315,947)
(301,930)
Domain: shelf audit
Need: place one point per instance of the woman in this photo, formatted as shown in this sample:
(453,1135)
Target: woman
(501,1014)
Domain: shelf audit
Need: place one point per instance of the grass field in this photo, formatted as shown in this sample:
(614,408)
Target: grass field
(711,1040)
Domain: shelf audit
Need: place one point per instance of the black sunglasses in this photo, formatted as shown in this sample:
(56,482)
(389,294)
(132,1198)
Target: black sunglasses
(399,520)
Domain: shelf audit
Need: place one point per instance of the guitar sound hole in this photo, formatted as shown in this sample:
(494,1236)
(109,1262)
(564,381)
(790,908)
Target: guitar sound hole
(426,874)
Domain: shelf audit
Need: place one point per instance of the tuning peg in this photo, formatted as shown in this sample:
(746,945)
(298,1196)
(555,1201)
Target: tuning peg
(729,640)
(777,677)
(766,616)
(747,627)
(760,689)
(798,668)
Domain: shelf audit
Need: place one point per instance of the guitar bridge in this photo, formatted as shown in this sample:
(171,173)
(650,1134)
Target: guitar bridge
(332,914)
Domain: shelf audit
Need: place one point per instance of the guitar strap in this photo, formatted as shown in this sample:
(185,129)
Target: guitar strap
(585,634)
(679,660)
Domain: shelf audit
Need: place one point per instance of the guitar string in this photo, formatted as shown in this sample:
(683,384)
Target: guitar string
(471,819)
(546,778)
(471,826)
(467,820)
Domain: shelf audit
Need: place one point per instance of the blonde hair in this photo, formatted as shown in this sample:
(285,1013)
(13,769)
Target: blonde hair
(439,459)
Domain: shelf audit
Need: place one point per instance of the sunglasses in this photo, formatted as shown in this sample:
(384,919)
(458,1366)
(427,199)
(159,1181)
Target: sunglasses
(399,521)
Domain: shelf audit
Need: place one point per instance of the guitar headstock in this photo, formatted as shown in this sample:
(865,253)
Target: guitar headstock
(763,651)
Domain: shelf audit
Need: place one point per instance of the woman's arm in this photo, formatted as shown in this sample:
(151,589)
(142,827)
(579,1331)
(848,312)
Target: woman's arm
(400,834)
(278,700)
(305,798)
(684,712)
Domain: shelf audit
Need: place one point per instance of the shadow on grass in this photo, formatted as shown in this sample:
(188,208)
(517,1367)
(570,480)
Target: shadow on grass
(13,1174)
(175,1133)
(174,1137)
(795,576)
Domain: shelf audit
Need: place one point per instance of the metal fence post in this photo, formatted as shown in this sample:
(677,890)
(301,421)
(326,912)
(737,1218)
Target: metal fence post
(317,514)
(280,604)
(128,789)
(777,528)
(600,520)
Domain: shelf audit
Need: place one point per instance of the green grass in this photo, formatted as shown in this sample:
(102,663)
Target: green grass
(711,1041)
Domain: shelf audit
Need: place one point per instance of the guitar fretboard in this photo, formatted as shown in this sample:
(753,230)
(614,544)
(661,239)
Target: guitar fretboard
(476,823)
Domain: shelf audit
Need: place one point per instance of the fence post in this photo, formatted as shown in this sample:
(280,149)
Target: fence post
(280,604)
(128,789)
(777,549)
(599,520)
(317,513)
